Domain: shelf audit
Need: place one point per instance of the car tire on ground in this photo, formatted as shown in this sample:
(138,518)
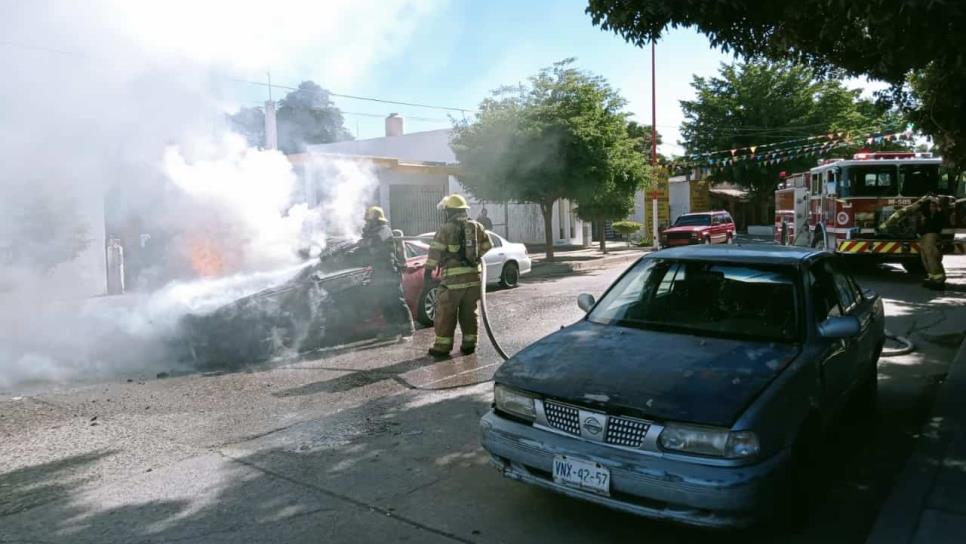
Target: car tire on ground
(426,307)
(510,275)
(730,239)
(707,240)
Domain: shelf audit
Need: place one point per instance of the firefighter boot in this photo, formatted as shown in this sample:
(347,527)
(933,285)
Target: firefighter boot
(469,319)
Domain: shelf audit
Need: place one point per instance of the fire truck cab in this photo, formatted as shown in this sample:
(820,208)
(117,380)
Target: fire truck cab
(848,199)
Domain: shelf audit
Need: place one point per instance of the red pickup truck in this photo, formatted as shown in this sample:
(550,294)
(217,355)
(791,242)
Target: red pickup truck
(715,227)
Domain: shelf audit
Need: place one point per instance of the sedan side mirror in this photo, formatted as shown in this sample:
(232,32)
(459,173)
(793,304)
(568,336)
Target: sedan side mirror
(839,327)
(585,301)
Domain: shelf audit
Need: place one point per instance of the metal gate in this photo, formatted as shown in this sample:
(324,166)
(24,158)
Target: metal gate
(412,208)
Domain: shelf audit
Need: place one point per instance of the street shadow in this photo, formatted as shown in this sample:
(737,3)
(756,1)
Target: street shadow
(33,486)
(358,378)
(404,468)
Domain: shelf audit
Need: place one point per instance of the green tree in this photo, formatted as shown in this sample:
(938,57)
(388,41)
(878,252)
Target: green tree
(642,136)
(561,135)
(882,40)
(250,123)
(751,104)
(307,116)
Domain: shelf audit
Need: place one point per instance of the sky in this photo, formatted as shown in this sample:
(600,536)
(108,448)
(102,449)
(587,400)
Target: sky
(456,52)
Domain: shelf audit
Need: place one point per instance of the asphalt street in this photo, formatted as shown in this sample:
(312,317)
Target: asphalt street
(382,444)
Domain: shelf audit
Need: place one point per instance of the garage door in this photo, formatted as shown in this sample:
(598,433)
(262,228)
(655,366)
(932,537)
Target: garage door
(412,208)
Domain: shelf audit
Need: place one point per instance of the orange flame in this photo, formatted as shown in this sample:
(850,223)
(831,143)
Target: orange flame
(206,258)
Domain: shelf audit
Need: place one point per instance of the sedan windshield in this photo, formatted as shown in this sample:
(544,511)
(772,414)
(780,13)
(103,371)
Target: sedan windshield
(693,221)
(704,298)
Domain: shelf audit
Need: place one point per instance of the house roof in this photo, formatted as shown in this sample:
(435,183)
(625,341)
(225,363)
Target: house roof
(426,146)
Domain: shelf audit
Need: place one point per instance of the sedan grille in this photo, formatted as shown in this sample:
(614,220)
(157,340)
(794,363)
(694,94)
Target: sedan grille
(563,417)
(626,432)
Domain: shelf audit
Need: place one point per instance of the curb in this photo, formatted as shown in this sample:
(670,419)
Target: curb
(901,516)
(558,268)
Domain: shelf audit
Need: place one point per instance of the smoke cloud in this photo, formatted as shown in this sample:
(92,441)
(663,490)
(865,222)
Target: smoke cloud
(112,118)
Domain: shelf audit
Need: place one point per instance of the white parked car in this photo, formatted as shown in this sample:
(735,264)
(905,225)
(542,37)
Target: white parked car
(505,263)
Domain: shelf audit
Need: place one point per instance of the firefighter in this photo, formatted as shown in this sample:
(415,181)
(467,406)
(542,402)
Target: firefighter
(933,219)
(457,249)
(379,247)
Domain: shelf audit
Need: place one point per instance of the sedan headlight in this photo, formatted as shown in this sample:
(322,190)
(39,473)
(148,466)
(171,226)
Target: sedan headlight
(513,402)
(712,441)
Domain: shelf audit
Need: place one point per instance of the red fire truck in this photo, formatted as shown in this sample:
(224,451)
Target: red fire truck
(841,203)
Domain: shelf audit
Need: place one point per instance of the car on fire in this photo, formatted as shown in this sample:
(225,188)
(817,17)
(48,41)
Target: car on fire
(324,304)
(697,389)
(715,227)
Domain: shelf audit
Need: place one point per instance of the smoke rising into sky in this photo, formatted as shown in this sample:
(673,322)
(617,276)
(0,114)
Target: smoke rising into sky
(113,111)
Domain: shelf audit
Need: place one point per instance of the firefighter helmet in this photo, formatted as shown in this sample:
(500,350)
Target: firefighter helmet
(453,202)
(375,213)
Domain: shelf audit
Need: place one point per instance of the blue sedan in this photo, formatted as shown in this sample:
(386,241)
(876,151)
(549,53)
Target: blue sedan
(696,389)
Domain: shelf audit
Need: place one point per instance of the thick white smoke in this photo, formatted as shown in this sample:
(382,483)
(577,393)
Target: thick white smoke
(114,110)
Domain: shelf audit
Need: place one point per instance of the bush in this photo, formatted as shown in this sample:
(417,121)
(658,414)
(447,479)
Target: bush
(627,227)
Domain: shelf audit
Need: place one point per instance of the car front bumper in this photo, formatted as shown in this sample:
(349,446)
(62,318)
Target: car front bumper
(642,483)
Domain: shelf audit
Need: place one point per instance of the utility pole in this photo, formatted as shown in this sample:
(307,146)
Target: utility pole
(654,193)
(653,109)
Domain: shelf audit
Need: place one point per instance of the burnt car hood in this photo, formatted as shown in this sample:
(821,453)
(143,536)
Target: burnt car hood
(653,374)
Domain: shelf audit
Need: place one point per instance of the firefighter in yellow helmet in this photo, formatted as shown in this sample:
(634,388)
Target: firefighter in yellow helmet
(932,211)
(457,249)
(381,252)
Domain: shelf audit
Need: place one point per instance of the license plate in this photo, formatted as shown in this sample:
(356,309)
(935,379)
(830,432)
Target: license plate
(583,474)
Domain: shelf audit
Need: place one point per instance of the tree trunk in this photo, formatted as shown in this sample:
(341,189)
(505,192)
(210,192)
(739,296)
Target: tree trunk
(547,210)
(603,236)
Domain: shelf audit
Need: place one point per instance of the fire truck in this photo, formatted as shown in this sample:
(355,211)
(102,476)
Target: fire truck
(840,204)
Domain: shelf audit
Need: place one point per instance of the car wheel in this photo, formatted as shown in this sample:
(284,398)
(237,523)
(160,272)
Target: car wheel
(426,308)
(730,239)
(510,276)
(707,240)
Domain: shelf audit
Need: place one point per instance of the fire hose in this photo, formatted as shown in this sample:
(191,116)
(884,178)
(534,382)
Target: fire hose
(905,346)
(483,314)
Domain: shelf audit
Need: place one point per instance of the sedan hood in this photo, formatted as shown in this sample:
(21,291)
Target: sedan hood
(660,375)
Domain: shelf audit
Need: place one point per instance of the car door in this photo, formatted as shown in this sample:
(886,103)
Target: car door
(494,258)
(837,367)
(862,309)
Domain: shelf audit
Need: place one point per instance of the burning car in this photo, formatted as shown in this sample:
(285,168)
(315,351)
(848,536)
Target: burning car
(326,304)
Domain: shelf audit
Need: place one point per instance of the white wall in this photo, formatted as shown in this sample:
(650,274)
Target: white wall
(679,195)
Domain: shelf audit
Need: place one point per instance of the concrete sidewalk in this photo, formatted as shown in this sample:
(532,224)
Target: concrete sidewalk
(928,501)
(584,259)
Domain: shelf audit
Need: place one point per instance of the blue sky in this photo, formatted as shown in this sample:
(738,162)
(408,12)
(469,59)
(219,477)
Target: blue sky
(460,51)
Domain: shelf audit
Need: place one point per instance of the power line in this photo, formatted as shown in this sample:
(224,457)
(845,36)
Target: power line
(365,98)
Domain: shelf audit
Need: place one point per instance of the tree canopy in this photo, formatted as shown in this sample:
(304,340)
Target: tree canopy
(889,41)
(758,103)
(305,116)
(564,134)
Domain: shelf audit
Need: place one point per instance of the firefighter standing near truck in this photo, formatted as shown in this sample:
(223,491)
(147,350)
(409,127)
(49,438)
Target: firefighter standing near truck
(457,249)
(933,217)
(381,252)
